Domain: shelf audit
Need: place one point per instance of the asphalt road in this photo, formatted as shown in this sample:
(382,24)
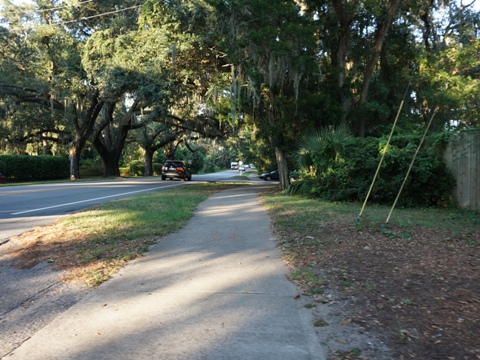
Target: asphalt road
(24,207)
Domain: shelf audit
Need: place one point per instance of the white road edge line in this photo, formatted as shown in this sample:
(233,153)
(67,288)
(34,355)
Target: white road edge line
(83,201)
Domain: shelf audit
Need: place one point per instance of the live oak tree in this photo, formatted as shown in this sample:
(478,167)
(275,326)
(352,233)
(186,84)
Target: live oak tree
(344,26)
(449,68)
(192,68)
(268,45)
(88,64)
(51,73)
(131,84)
(110,74)
(153,137)
(164,66)
(36,83)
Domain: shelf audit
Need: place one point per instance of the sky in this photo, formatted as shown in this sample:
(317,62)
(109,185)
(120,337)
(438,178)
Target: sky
(18,2)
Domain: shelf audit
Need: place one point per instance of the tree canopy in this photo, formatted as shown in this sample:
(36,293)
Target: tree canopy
(154,73)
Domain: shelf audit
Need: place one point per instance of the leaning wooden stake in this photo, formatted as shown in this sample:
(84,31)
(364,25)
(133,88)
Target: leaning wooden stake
(411,165)
(384,152)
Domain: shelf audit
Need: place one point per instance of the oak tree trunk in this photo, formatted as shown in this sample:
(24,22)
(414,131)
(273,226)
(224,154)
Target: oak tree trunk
(148,158)
(282,168)
(379,41)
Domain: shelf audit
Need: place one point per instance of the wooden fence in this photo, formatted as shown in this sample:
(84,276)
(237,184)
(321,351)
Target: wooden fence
(462,157)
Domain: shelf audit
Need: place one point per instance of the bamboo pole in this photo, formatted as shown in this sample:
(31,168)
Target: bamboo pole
(411,165)
(384,152)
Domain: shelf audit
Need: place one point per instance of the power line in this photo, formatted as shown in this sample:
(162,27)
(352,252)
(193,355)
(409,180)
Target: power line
(88,17)
(98,15)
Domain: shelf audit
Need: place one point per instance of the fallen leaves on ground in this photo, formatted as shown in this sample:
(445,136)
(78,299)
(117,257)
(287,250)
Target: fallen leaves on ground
(420,292)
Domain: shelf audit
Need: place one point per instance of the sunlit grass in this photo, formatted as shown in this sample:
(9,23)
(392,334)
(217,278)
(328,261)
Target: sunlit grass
(124,229)
(306,228)
(307,213)
(153,214)
(92,245)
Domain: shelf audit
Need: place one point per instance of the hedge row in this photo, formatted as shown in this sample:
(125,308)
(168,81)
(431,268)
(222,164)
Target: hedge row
(18,168)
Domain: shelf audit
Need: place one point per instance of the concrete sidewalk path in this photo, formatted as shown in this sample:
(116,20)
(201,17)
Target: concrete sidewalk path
(216,289)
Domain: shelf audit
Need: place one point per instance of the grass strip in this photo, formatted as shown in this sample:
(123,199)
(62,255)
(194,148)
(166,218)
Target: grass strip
(94,244)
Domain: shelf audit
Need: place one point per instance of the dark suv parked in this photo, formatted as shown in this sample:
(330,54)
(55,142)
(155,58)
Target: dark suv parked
(176,169)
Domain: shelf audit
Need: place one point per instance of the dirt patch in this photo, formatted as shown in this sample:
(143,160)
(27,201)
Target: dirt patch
(64,248)
(42,277)
(36,295)
(418,291)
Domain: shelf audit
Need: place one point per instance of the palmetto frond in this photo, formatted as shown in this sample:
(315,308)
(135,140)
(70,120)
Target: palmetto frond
(318,147)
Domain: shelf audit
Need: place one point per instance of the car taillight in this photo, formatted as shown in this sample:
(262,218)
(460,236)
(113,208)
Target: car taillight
(164,168)
(180,169)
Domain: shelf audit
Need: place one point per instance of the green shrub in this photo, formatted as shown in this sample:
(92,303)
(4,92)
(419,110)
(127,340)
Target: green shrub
(34,168)
(91,170)
(209,166)
(157,169)
(349,178)
(124,171)
(136,168)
